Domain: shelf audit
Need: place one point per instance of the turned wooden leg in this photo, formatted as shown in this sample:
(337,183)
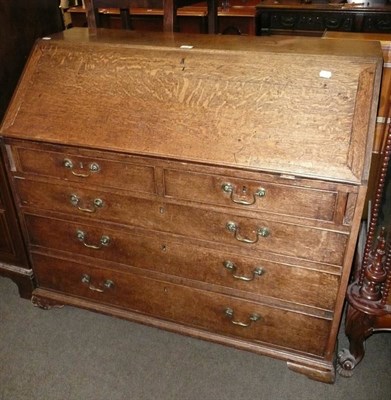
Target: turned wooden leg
(359,326)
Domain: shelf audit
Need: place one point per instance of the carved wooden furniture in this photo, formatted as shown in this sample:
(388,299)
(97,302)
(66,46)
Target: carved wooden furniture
(369,296)
(20,25)
(314,18)
(170,8)
(195,184)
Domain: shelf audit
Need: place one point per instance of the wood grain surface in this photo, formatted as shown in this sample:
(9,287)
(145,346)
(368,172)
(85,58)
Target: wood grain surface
(252,108)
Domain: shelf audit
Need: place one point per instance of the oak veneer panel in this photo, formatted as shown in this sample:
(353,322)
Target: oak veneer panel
(251,104)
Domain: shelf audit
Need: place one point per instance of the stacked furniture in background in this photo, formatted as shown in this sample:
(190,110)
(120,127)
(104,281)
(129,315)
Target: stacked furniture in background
(261,17)
(170,8)
(236,17)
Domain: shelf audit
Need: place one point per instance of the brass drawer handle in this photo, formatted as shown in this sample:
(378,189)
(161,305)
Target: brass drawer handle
(104,240)
(96,203)
(107,284)
(258,271)
(92,168)
(229,188)
(229,312)
(234,228)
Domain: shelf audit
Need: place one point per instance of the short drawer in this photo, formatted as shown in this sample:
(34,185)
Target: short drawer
(185,305)
(246,194)
(90,168)
(291,282)
(250,234)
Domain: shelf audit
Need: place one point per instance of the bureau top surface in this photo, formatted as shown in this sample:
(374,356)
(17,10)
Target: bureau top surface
(301,106)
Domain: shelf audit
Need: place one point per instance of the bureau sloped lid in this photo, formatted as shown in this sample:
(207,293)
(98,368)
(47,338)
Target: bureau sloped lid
(296,106)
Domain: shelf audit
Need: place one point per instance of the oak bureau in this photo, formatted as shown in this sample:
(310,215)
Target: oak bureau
(208,185)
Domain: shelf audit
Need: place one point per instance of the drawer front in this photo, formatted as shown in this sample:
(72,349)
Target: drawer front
(252,195)
(250,234)
(288,282)
(91,170)
(198,308)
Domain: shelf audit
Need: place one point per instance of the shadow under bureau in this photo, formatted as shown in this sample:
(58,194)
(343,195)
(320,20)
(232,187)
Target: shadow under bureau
(207,185)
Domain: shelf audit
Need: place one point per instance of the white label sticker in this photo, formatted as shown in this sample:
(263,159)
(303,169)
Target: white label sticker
(325,74)
(186,46)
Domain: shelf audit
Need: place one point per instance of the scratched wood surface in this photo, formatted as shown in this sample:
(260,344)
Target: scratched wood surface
(261,107)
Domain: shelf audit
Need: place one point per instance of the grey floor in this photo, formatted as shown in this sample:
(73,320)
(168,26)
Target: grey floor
(72,354)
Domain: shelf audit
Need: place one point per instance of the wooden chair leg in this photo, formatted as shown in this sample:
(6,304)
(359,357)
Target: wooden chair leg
(125,19)
(359,327)
(169,15)
(212,17)
(92,15)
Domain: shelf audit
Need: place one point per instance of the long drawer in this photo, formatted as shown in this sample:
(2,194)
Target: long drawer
(198,308)
(289,281)
(254,234)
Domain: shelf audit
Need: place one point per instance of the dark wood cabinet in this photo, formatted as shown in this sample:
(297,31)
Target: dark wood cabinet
(313,18)
(22,22)
(11,247)
(204,184)
(13,257)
